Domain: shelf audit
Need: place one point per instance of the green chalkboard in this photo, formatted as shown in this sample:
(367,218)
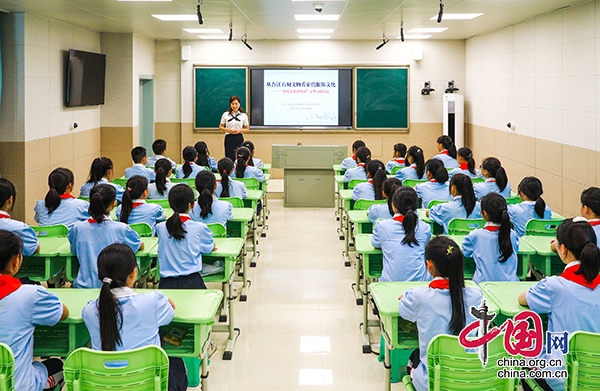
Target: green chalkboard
(213,88)
(381,98)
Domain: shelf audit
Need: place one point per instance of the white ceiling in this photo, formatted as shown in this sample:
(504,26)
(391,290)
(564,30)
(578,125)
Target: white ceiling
(274,19)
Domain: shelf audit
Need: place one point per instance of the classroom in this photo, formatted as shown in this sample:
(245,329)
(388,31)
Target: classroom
(307,316)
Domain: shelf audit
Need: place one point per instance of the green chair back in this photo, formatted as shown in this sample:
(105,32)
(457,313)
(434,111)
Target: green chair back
(514,200)
(464,226)
(413,182)
(218,230)
(236,202)
(583,362)
(51,231)
(433,203)
(191,182)
(122,181)
(251,183)
(85,198)
(143,369)
(164,203)
(396,169)
(365,204)
(477,180)
(352,184)
(539,227)
(7,368)
(142,229)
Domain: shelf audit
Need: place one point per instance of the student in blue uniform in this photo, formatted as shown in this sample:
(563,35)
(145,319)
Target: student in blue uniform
(60,206)
(204,159)
(572,299)
(350,162)
(22,308)
(493,248)
(363,157)
(447,152)
(402,240)
(462,206)
(373,188)
(159,189)
(256,162)
(242,167)
(181,243)
(8,196)
(384,211)
(159,147)
(532,207)
(209,209)
(121,319)
(441,308)
(590,208)
(88,238)
(135,209)
(466,164)
(138,155)
(416,169)
(398,160)
(101,172)
(437,188)
(496,180)
(189,169)
(226,187)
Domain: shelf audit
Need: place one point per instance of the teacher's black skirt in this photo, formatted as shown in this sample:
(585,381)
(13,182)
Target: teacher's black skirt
(232,142)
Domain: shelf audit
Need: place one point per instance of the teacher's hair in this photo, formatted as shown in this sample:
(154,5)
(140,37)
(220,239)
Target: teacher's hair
(235,97)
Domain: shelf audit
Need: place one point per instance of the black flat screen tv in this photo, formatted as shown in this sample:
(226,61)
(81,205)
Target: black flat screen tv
(85,79)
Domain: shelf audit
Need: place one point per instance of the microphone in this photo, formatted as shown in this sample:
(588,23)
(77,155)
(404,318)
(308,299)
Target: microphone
(199,13)
(439,19)
(385,40)
(230,32)
(402,31)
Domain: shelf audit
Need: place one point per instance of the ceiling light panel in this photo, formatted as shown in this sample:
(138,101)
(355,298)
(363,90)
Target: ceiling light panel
(457,16)
(177,18)
(214,36)
(204,31)
(315,31)
(416,36)
(428,30)
(317,17)
(314,36)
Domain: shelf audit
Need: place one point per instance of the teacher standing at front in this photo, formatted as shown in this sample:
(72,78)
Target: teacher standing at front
(234,122)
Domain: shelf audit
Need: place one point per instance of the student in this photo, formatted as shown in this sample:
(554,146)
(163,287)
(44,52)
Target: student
(159,147)
(258,163)
(243,170)
(494,247)
(416,170)
(402,240)
(101,172)
(384,211)
(226,187)
(159,189)
(138,155)
(462,206)
(437,188)
(121,319)
(209,209)
(572,299)
(398,160)
(22,307)
(189,169)
(363,157)
(204,159)
(440,308)
(496,179)
(532,207)
(466,164)
(8,196)
(590,208)
(134,208)
(350,162)
(88,238)
(60,206)
(181,243)
(373,189)
(447,152)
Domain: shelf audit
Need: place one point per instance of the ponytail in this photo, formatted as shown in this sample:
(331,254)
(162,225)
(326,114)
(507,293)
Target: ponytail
(376,171)
(162,167)
(364,155)
(448,144)
(58,180)
(100,167)
(405,200)
(205,185)
(437,170)
(494,167)
(189,155)
(134,189)
(501,179)
(250,145)
(580,238)
(467,155)
(225,166)
(531,187)
(417,157)
(496,208)
(242,155)
(389,187)
(101,198)
(180,198)
(464,187)
(202,150)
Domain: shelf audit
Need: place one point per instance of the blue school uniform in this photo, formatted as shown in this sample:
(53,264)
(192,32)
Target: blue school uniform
(521,213)
(409,172)
(69,211)
(399,162)
(430,309)
(258,163)
(348,163)
(570,307)
(490,186)
(183,257)
(449,161)
(401,262)
(195,170)
(222,212)
(21,311)
(153,193)
(143,212)
(85,189)
(251,172)
(25,232)
(595,223)
(357,172)
(482,245)
(151,161)
(236,189)
(143,314)
(466,172)
(379,211)
(88,239)
(454,209)
(141,170)
(433,190)
(364,191)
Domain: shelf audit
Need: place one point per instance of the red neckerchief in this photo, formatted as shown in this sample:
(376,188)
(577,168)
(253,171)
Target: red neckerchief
(569,274)
(444,152)
(136,204)
(91,220)
(440,284)
(433,180)
(399,218)
(184,218)
(400,160)
(361,164)
(490,179)
(65,196)
(4,215)
(492,228)
(463,166)
(594,223)
(354,157)
(370,181)
(8,284)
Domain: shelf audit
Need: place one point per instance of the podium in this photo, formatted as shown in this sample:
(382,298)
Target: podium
(308,173)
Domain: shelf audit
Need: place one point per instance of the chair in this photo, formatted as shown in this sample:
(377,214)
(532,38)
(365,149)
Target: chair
(142,369)
(122,181)
(191,182)
(85,198)
(413,182)
(142,229)
(433,203)
(539,227)
(352,184)
(164,203)
(396,169)
(514,200)
(7,368)
(464,226)
(51,230)
(251,183)
(365,204)
(218,230)
(583,362)
(236,202)
(477,180)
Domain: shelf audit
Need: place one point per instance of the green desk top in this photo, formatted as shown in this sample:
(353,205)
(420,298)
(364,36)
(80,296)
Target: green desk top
(339,179)
(505,295)
(253,194)
(358,216)
(363,244)
(524,247)
(423,217)
(226,248)
(346,194)
(52,246)
(267,177)
(243,214)
(75,300)
(266,166)
(338,168)
(556,216)
(541,244)
(149,245)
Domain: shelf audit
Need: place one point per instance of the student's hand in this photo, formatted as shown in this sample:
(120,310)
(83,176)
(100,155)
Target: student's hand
(523,299)
(400,298)
(171,302)
(427,212)
(65,313)
(553,246)
(215,248)
(37,250)
(141,247)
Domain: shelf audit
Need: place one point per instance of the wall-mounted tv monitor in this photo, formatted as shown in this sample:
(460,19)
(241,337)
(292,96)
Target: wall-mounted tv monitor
(85,79)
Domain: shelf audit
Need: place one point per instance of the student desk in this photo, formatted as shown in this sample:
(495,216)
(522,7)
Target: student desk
(544,260)
(266,168)
(264,186)
(238,228)
(251,201)
(48,263)
(338,170)
(347,203)
(435,227)
(341,185)
(505,296)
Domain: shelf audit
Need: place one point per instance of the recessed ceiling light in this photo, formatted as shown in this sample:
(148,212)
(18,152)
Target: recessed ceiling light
(204,31)
(416,36)
(315,31)
(428,30)
(214,36)
(314,36)
(317,17)
(457,16)
(179,18)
